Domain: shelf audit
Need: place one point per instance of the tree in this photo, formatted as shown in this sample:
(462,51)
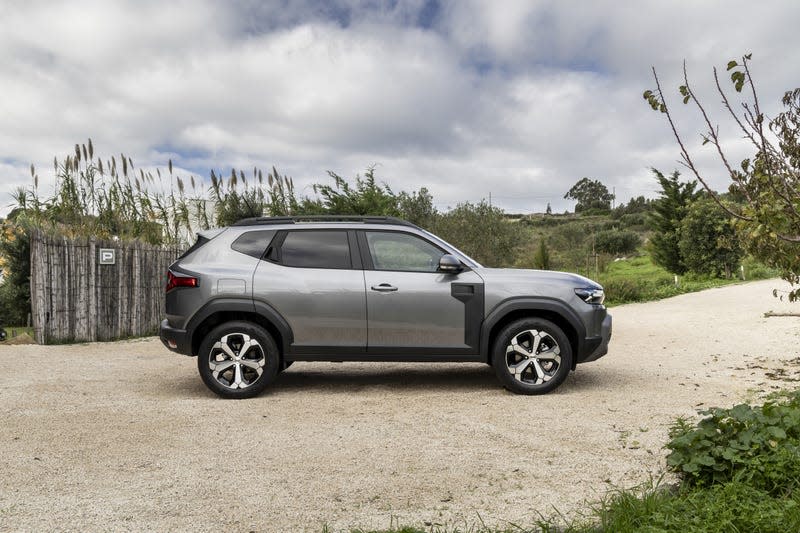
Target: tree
(549,210)
(639,204)
(417,207)
(366,198)
(665,219)
(769,180)
(708,241)
(481,231)
(15,263)
(590,195)
(541,258)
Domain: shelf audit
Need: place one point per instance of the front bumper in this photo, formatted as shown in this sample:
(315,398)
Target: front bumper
(602,347)
(176,340)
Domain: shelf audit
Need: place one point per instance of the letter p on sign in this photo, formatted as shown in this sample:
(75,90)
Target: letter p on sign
(107,256)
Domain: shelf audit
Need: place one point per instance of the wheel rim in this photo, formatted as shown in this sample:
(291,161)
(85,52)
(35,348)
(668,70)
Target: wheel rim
(533,357)
(236,361)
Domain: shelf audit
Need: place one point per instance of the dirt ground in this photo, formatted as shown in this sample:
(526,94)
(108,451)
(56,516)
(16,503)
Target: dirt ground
(124,436)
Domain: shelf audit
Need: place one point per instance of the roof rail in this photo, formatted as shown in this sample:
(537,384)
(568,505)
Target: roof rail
(299,219)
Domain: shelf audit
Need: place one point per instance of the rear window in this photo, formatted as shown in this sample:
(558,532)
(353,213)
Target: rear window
(316,249)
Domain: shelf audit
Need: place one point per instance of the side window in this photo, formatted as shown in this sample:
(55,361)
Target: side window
(316,249)
(401,251)
(253,243)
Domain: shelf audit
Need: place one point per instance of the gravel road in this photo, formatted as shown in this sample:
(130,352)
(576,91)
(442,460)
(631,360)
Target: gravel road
(124,436)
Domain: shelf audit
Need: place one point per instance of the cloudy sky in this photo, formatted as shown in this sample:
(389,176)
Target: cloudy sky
(519,99)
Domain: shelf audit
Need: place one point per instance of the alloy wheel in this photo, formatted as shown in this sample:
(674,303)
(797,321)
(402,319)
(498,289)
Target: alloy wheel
(236,361)
(533,357)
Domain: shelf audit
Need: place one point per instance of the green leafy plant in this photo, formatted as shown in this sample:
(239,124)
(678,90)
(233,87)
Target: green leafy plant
(708,242)
(757,445)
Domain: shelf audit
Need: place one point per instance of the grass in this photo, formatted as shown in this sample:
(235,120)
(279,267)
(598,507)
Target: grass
(14,331)
(635,278)
(638,279)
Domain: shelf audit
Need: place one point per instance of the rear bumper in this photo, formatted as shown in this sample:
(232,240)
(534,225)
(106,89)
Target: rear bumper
(600,342)
(177,340)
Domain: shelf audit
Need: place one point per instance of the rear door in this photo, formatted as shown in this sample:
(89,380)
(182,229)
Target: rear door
(314,280)
(412,308)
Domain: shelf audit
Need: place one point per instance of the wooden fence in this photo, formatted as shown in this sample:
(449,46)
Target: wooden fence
(74,298)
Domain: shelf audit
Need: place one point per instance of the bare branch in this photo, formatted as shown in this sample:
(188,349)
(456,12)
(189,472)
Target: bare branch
(727,105)
(714,132)
(685,153)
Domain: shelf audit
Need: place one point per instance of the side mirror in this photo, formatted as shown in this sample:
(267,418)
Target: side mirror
(450,264)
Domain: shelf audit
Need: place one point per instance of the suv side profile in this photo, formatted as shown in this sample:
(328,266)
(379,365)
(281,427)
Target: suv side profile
(250,299)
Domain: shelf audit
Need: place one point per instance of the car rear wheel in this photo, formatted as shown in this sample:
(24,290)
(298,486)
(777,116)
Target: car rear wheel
(531,356)
(238,360)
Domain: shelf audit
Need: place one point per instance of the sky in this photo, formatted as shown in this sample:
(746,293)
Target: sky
(517,100)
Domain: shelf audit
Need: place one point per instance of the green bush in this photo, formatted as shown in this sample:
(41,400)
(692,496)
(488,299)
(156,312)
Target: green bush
(480,231)
(633,220)
(618,242)
(541,259)
(15,262)
(757,445)
(707,241)
(624,290)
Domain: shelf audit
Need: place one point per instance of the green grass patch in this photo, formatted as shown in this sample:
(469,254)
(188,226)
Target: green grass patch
(14,331)
(638,279)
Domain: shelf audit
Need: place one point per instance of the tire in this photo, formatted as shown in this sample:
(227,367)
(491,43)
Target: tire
(238,360)
(531,356)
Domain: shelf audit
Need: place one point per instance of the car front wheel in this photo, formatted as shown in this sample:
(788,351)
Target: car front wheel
(238,360)
(531,356)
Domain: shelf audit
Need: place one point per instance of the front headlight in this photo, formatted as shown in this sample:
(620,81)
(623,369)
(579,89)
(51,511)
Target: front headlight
(591,295)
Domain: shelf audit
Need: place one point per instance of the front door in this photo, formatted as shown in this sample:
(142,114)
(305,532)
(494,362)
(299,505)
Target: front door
(412,308)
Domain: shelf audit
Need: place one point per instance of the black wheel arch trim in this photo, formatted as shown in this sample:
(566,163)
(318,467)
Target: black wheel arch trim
(242,305)
(533,304)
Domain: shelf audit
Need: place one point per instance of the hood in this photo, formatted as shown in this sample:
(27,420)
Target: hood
(512,282)
(524,275)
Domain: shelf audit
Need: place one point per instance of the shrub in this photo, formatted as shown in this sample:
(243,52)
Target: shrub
(758,445)
(618,242)
(481,232)
(15,262)
(624,290)
(541,259)
(707,240)
(633,220)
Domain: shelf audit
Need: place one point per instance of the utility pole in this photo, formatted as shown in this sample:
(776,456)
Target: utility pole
(613,197)
(490,199)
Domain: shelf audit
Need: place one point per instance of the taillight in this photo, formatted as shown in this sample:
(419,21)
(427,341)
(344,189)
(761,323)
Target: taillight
(180,280)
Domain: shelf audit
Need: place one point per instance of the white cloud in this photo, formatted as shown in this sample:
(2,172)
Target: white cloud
(518,99)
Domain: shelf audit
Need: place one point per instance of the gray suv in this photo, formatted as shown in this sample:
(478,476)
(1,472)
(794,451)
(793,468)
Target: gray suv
(250,299)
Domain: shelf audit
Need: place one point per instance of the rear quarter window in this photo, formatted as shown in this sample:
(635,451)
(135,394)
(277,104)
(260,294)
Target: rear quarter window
(253,243)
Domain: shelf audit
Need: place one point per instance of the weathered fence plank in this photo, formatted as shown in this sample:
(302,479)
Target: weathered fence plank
(75,299)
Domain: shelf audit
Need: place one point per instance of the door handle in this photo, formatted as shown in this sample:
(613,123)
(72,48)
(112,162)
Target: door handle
(384,287)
